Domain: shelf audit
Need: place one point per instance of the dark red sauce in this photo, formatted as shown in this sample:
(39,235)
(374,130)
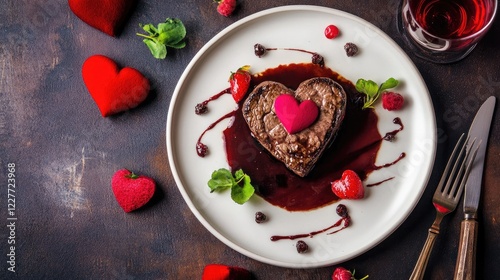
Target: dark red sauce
(318,59)
(355,147)
(400,157)
(389,136)
(201,108)
(346,221)
(202,149)
(379,183)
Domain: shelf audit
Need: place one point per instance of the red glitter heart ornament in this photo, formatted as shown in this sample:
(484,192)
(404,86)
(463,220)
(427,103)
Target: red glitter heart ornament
(108,16)
(293,116)
(113,89)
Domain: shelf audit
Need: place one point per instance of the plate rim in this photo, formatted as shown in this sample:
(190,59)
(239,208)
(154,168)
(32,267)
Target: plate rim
(172,156)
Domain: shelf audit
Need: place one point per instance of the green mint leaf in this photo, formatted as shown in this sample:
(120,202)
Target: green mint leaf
(243,190)
(240,184)
(158,50)
(163,38)
(149,28)
(369,87)
(360,85)
(170,33)
(390,83)
(175,30)
(221,179)
(179,45)
(171,24)
(238,175)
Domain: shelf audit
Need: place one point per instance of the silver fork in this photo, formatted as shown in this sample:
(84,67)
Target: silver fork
(446,197)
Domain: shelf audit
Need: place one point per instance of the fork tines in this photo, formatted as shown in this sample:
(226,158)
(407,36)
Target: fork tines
(452,183)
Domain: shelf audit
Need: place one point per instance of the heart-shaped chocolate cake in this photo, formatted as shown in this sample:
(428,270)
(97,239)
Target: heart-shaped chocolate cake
(299,150)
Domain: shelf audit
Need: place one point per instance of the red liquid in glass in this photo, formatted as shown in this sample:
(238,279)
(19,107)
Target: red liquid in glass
(452,19)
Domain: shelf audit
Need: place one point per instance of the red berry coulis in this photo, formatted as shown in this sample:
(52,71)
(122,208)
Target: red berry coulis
(344,221)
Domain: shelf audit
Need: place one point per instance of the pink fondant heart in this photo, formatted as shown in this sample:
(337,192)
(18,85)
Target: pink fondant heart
(293,116)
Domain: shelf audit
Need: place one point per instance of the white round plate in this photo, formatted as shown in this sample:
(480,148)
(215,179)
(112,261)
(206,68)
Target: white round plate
(385,206)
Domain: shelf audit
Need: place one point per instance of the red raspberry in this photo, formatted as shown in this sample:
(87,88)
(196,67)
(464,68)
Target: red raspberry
(226,7)
(331,31)
(392,101)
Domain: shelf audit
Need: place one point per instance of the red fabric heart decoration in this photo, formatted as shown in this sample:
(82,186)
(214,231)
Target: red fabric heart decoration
(293,116)
(132,191)
(225,272)
(108,16)
(112,89)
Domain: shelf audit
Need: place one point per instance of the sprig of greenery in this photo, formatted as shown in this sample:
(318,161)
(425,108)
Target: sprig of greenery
(240,184)
(168,34)
(373,91)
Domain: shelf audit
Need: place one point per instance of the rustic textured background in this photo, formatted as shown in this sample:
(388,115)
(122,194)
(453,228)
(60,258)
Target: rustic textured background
(69,226)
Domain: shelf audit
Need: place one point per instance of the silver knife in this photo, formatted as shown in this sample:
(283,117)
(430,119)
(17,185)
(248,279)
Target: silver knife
(480,129)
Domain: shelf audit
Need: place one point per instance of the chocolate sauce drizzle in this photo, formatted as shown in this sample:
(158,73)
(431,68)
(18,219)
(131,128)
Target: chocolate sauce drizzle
(346,223)
(389,136)
(202,149)
(316,58)
(379,183)
(201,108)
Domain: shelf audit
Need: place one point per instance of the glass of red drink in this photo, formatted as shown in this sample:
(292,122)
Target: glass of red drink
(445,31)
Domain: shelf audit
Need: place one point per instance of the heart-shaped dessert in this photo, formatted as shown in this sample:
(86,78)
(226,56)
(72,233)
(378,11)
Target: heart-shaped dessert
(108,16)
(293,116)
(113,90)
(298,151)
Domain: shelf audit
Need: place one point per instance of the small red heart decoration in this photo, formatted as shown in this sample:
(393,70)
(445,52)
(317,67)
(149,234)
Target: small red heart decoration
(293,116)
(108,16)
(112,89)
(132,191)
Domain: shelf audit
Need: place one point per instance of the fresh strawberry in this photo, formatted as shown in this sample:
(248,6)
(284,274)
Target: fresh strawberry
(392,100)
(224,272)
(132,191)
(341,273)
(239,82)
(226,7)
(349,186)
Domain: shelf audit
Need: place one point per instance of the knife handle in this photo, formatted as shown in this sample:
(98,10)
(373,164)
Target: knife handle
(465,268)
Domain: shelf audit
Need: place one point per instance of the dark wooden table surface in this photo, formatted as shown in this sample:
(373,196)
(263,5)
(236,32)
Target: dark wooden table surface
(69,225)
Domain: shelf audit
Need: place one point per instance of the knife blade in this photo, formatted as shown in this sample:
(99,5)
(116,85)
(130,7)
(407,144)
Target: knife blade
(466,261)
